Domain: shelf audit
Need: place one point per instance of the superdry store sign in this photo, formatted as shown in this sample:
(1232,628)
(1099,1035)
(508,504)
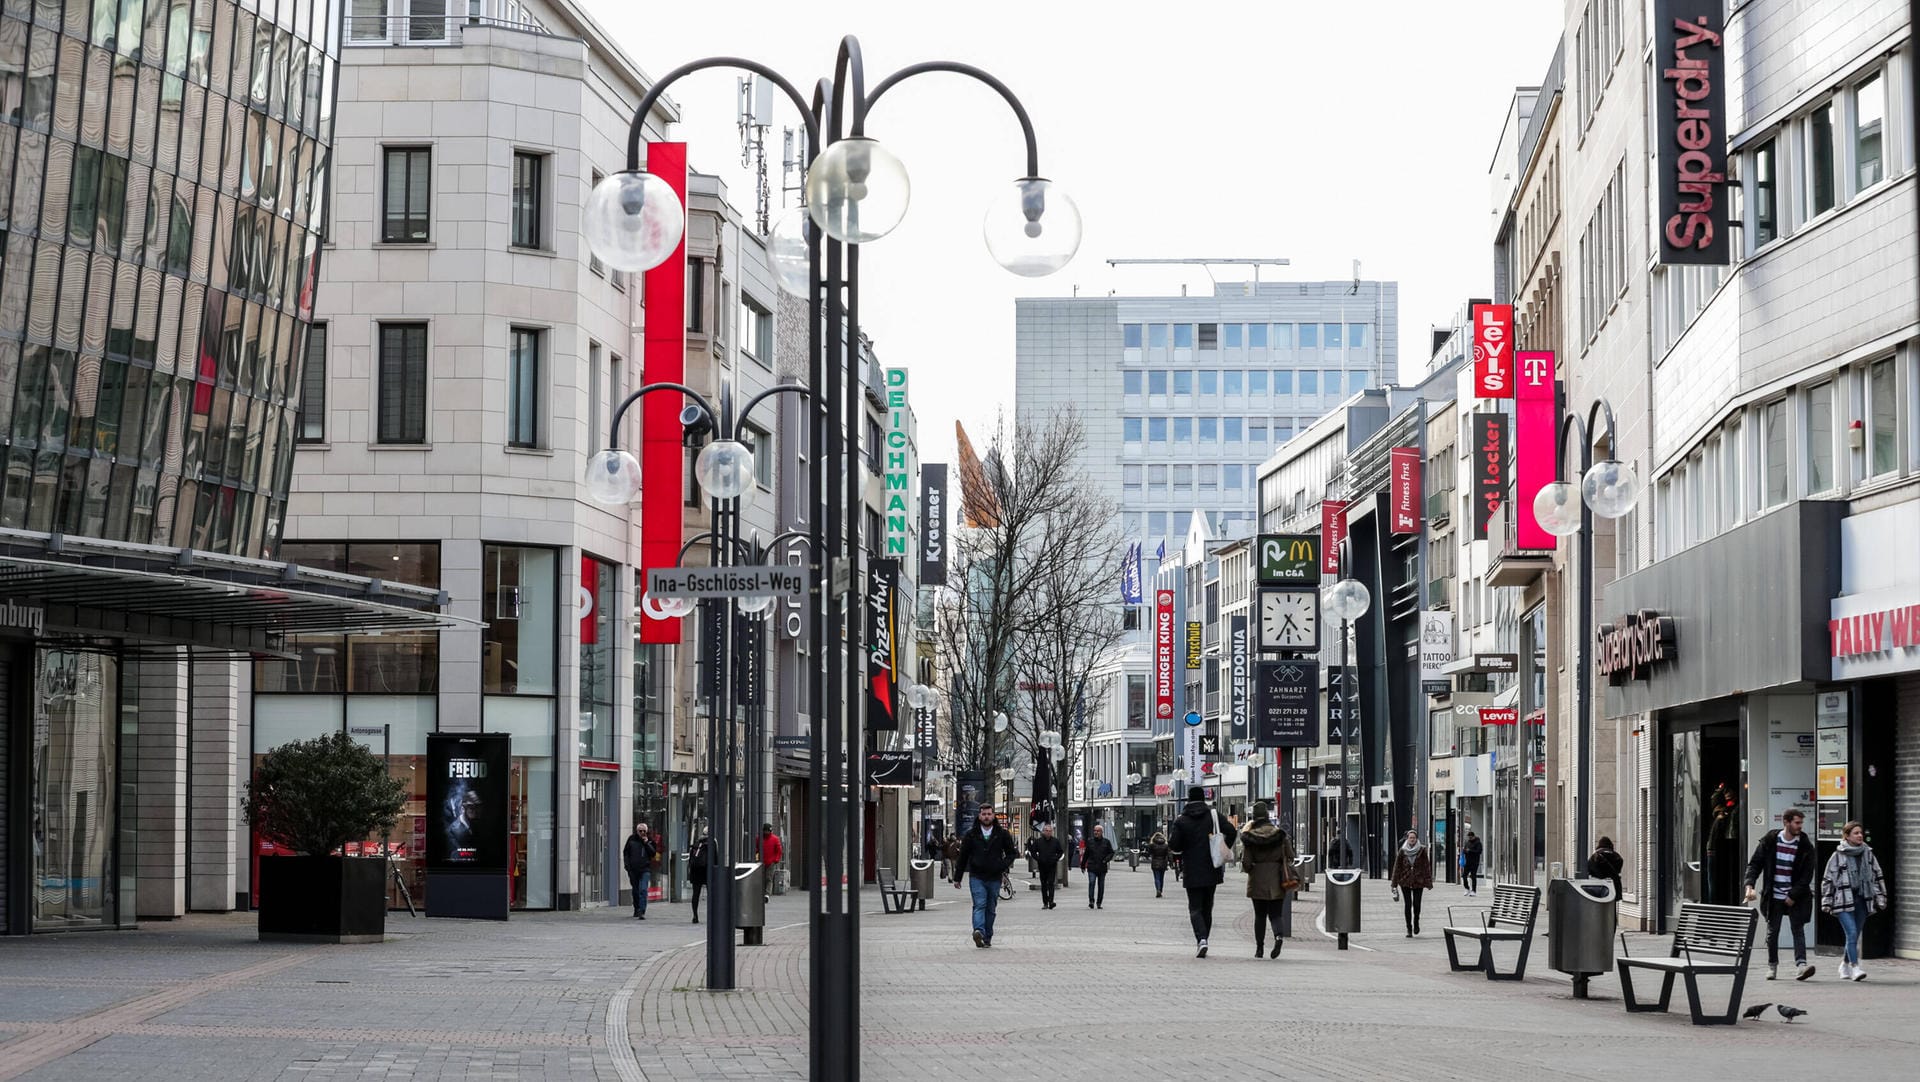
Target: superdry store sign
(1163,654)
(1690,108)
(1493,350)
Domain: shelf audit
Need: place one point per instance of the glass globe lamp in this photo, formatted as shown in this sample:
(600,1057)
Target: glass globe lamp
(857,190)
(670,607)
(613,478)
(1033,228)
(1000,722)
(754,604)
(1347,599)
(1557,509)
(633,221)
(787,250)
(1610,488)
(724,469)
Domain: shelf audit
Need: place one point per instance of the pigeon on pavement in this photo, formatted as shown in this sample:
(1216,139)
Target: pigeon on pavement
(1755,1011)
(1789,1013)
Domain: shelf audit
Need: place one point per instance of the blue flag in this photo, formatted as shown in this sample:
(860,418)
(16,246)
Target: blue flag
(1130,576)
(1162,554)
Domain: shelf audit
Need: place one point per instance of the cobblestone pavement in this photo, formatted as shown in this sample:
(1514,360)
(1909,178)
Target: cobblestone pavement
(1070,993)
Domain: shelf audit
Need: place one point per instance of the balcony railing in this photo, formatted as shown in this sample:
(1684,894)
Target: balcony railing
(423,30)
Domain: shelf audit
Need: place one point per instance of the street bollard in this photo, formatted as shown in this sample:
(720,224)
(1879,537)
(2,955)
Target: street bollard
(750,901)
(1343,902)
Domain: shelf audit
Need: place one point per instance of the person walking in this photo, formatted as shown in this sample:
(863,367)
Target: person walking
(1157,860)
(638,857)
(1470,864)
(1411,875)
(1606,864)
(1267,856)
(1201,840)
(1094,861)
(697,870)
(1785,859)
(986,854)
(1853,889)
(1045,851)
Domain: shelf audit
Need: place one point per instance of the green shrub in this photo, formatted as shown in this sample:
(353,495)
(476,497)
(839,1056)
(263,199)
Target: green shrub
(315,796)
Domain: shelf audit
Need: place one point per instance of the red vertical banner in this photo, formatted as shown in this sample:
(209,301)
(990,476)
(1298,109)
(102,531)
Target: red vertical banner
(1536,416)
(1163,654)
(589,601)
(664,357)
(1333,530)
(1488,453)
(1404,490)
(1492,350)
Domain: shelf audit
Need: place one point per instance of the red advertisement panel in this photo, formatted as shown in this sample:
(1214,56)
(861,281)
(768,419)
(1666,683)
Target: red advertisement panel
(1493,350)
(1488,453)
(1163,654)
(664,354)
(1333,530)
(1404,493)
(1536,417)
(1499,715)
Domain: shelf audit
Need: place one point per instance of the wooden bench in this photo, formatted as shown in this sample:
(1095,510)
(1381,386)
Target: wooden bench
(1509,919)
(1710,940)
(895,898)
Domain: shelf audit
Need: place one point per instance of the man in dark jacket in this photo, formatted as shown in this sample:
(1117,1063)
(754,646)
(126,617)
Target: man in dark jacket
(1192,843)
(638,857)
(1784,860)
(1046,852)
(985,854)
(1470,864)
(1094,861)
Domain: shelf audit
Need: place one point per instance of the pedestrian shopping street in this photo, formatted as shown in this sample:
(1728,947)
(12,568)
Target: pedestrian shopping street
(1069,993)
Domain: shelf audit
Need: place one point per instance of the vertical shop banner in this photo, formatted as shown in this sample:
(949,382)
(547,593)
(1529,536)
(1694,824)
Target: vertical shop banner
(749,634)
(1239,678)
(1163,654)
(1488,453)
(1196,643)
(1436,648)
(1536,438)
(1130,584)
(926,733)
(883,636)
(933,524)
(1333,531)
(1405,491)
(1286,706)
(588,601)
(897,469)
(467,811)
(1690,148)
(664,355)
(1492,350)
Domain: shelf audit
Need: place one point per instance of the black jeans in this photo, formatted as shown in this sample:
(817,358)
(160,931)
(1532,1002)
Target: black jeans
(698,886)
(1266,912)
(1200,909)
(1470,878)
(1097,886)
(639,882)
(1410,903)
(1777,911)
(1047,872)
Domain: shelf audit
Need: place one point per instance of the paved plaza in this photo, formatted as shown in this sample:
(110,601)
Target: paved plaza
(1070,993)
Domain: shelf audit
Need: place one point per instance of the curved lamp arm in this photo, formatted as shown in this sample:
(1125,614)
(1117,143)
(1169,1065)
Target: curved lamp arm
(1019,111)
(1601,410)
(740,422)
(706,535)
(620,411)
(790,536)
(637,130)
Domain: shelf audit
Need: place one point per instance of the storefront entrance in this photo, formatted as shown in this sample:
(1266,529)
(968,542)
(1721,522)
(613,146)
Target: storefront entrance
(1704,859)
(599,803)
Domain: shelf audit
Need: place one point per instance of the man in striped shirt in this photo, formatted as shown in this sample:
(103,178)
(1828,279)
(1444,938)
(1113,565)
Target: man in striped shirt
(1785,860)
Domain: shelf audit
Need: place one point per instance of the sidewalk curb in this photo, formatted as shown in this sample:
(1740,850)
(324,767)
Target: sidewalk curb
(614,1029)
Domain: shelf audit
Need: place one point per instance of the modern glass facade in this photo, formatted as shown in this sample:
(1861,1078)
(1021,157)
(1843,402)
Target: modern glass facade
(163,177)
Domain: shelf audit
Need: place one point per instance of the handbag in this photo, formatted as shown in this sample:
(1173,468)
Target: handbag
(1216,845)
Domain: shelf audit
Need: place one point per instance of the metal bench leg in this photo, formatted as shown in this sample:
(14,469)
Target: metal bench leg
(1526,947)
(1700,1017)
(1485,965)
(1453,953)
(1633,1004)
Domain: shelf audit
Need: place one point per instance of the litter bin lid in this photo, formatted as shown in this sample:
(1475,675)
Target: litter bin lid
(745,868)
(1343,876)
(1600,890)
(920,865)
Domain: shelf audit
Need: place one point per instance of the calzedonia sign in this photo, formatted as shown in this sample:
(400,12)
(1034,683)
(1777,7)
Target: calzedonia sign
(1635,643)
(1690,110)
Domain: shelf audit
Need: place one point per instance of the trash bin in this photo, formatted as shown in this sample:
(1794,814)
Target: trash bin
(750,901)
(1343,902)
(921,874)
(1581,919)
(677,883)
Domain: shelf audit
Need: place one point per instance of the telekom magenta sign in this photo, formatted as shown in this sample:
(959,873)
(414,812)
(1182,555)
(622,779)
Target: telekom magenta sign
(1536,419)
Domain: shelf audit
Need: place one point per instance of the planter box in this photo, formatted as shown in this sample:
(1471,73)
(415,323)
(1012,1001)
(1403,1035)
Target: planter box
(323,899)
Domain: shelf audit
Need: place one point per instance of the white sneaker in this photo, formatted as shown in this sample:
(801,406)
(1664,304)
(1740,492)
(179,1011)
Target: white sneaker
(1859,973)
(1846,971)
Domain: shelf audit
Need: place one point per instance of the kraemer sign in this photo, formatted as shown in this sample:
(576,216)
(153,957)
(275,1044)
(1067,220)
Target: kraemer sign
(1690,107)
(933,524)
(1163,654)
(1633,645)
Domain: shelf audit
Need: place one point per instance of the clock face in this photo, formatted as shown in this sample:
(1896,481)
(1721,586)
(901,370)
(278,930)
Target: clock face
(1289,620)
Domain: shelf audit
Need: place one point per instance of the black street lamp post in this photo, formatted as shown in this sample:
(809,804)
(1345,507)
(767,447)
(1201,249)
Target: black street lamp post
(1347,600)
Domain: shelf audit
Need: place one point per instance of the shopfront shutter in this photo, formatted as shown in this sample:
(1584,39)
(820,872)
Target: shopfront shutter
(6,743)
(1905,887)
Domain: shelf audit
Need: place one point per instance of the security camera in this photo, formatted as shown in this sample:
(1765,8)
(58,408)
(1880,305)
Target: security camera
(695,423)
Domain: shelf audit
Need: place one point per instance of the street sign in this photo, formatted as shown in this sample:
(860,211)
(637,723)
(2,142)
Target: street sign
(793,743)
(1289,559)
(1193,717)
(759,580)
(1286,711)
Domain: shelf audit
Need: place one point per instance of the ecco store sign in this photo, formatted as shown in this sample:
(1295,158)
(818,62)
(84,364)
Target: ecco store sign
(1634,645)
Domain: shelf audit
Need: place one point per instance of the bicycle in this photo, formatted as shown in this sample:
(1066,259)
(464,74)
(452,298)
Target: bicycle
(1006,885)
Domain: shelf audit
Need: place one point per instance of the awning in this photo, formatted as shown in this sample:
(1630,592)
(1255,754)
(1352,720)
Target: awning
(142,595)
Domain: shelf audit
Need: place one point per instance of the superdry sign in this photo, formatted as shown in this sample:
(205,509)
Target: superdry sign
(1488,453)
(1633,645)
(1690,108)
(1163,654)
(1493,350)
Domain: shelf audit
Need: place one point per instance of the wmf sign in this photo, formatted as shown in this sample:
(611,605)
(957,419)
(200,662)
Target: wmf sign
(1288,559)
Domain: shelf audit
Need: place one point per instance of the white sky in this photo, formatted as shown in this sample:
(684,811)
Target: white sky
(1318,132)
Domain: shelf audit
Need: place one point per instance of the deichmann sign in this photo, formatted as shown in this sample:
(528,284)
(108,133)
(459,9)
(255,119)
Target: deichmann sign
(1690,107)
(1630,648)
(1196,643)
(1488,440)
(1405,479)
(1288,559)
(899,468)
(933,524)
(1535,436)
(1239,678)
(760,580)
(1492,350)
(1163,654)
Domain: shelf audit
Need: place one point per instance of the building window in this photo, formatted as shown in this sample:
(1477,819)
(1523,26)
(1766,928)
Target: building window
(1183,431)
(1157,431)
(1820,170)
(1282,382)
(593,261)
(1257,336)
(1773,453)
(1309,336)
(1231,429)
(1356,336)
(1283,336)
(519,607)
(1330,335)
(1766,198)
(523,387)
(1132,383)
(312,422)
(1130,481)
(1183,336)
(1883,412)
(599,587)
(402,380)
(1869,116)
(756,331)
(406,195)
(1209,432)
(1210,336)
(1732,475)
(1136,698)
(1236,335)
(1356,382)
(1157,483)
(1157,335)
(1130,335)
(1130,430)
(761,445)
(1182,382)
(697,295)
(1232,382)
(1209,383)
(1257,383)
(1157,381)
(1309,382)
(1820,438)
(529,171)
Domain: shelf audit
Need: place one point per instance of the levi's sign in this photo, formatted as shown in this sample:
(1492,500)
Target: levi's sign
(1492,350)
(1690,106)
(778,580)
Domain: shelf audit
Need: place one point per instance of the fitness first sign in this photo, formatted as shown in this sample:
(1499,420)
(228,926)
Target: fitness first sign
(1690,117)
